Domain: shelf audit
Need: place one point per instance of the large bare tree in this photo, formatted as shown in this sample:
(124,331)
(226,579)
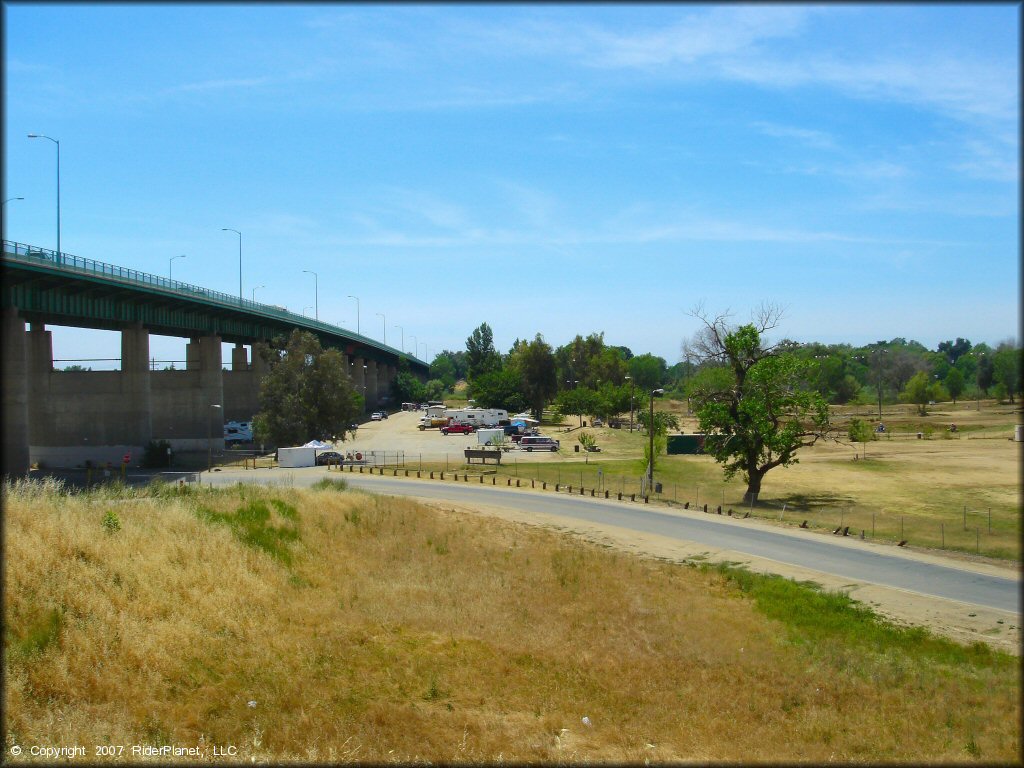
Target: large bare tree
(756,399)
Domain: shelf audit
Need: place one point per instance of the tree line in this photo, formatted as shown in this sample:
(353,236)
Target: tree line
(588,377)
(757,401)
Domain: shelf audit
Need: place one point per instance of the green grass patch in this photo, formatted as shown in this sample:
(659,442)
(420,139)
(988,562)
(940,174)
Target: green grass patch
(252,525)
(821,620)
(330,484)
(41,634)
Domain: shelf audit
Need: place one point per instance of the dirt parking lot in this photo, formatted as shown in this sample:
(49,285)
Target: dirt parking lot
(401,432)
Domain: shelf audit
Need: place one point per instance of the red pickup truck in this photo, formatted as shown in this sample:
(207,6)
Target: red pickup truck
(458,429)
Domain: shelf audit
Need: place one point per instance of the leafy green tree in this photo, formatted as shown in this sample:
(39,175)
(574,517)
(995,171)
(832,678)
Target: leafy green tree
(861,432)
(769,409)
(918,391)
(406,388)
(498,389)
(663,421)
(576,402)
(433,390)
(1006,368)
(535,362)
(443,368)
(481,356)
(954,383)
(611,400)
(648,371)
(306,394)
(953,350)
(583,361)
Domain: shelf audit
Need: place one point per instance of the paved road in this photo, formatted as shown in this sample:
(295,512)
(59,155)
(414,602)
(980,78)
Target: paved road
(812,551)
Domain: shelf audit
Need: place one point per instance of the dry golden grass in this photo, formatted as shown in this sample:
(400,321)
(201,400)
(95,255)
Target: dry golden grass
(392,632)
(906,489)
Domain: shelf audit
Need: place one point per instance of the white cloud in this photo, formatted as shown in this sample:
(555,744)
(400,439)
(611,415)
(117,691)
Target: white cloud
(809,137)
(229,83)
(701,35)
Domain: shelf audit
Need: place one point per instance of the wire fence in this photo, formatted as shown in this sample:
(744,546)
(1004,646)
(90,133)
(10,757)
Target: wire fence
(969,528)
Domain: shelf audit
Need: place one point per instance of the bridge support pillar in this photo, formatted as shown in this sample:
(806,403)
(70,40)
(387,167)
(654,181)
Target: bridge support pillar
(15,395)
(372,393)
(239,358)
(39,367)
(389,379)
(358,374)
(135,386)
(206,388)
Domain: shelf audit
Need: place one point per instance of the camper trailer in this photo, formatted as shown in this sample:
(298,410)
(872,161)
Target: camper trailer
(479,417)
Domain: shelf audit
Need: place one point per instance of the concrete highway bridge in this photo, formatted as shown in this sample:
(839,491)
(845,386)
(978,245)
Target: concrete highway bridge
(63,418)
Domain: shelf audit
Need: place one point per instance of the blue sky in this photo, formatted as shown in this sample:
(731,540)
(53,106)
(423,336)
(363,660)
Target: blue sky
(542,168)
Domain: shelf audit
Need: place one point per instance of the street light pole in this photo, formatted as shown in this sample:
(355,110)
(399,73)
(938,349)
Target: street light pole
(357,313)
(254,292)
(3,210)
(631,386)
(650,434)
(41,136)
(415,346)
(879,359)
(403,336)
(170,266)
(228,229)
(385,321)
(316,291)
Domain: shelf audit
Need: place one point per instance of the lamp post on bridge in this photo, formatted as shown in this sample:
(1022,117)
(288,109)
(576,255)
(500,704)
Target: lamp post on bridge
(254,292)
(316,292)
(415,345)
(228,229)
(385,321)
(357,314)
(402,348)
(4,211)
(170,266)
(42,136)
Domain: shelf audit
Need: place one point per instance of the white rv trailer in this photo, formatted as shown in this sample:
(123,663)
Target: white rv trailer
(479,417)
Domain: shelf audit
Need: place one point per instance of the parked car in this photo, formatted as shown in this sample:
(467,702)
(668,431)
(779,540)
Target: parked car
(328,457)
(538,443)
(376,416)
(458,429)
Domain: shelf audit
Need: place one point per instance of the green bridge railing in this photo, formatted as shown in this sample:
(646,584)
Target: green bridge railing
(66,262)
